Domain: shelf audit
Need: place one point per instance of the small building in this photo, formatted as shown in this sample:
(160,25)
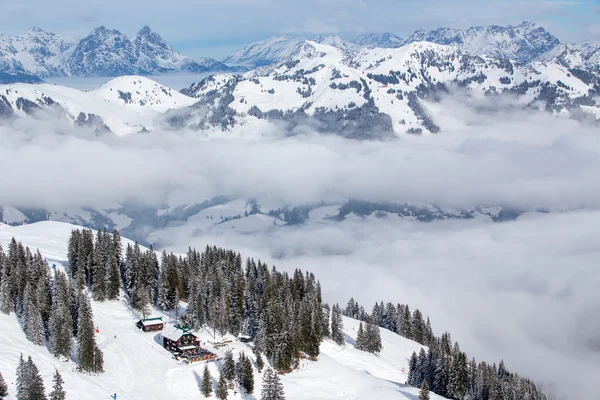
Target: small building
(151,324)
(181,340)
(245,339)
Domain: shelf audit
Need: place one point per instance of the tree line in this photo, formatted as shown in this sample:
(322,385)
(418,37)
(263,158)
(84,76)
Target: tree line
(444,368)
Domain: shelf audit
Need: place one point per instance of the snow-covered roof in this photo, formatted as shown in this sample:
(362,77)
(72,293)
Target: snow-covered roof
(152,321)
(175,333)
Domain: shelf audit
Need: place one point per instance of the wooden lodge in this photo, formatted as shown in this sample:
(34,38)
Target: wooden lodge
(181,341)
(151,324)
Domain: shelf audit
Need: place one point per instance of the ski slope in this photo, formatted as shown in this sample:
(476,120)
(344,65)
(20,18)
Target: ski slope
(136,365)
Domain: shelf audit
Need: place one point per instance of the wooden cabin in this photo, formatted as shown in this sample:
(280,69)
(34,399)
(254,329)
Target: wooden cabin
(245,339)
(151,324)
(181,340)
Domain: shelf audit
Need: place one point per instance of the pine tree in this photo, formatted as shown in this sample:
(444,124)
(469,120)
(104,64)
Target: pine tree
(272,388)
(87,351)
(259,361)
(34,324)
(228,366)
(497,391)
(360,338)
(424,393)
(206,387)
(35,387)
(61,323)
(248,374)
(337,325)
(57,392)
(22,380)
(113,275)
(3,387)
(221,391)
(372,339)
(325,324)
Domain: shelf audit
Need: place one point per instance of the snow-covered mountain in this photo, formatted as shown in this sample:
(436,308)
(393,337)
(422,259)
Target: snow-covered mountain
(265,52)
(583,56)
(523,42)
(336,41)
(35,52)
(379,92)
(127,104)
(384,40)
(104,52)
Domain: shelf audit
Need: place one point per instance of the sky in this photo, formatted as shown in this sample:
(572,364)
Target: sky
(522,291)
(217,28)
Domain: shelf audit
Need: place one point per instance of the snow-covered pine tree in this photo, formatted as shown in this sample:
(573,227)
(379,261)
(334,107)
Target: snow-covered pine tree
(412,366)
(35,386)
(86,342)
(113,274)
(98,360)
(407,323)
(221,391)
(497,391)
(57,393)
(34,324)
(372,338)
(337,325)
(3,387)
(326,318)
(259,361)
(22,380)
(272,388)
(424,392)
(360,338)
(228,366)
(418,327)
(6,301)
(206,386)
(248,376)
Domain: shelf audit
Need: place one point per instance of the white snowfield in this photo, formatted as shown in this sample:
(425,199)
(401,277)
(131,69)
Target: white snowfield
(137,367)
(317,76)
(126,104)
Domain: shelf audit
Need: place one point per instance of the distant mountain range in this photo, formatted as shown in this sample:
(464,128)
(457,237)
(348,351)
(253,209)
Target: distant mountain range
(39,54)
(524,42)
(104,52)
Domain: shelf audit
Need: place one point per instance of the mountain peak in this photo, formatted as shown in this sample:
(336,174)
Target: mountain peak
(145,31)
(523,42)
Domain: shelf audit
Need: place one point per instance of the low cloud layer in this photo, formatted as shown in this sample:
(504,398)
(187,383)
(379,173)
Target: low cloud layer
(491,158)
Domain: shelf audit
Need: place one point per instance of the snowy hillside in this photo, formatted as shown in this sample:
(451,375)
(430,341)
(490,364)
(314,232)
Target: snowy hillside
(379,92)
(136,366)
(104,52)
(522,42)
(125,105)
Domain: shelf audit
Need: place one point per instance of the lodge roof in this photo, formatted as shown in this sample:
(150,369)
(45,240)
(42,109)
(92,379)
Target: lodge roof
(176,332)
(152,321)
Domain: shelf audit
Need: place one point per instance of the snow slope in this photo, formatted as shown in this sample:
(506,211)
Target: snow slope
(138,367)
(379,91)
(126,104)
